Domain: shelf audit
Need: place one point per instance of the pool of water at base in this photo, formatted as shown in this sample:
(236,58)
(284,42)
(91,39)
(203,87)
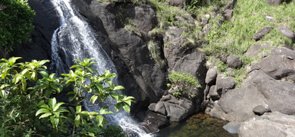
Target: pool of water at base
(199,125)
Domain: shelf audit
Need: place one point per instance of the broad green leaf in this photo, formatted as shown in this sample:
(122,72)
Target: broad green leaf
(104,111)
(52,102)
(45,106)
(17,78)
(93,99)
(33,75)
(78,109)
(100,119)
(77,120)
(24,71)
(42,110)
(126,108)
(56,107)
(3,94)
(12,60)
(54,121)
(119,88)
(45,115)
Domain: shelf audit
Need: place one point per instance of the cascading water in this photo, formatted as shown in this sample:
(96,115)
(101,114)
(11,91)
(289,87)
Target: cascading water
(75,40)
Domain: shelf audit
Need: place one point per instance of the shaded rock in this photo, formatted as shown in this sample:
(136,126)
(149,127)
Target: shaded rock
(193,64)
(206,92)
(260,110)
(178,3)
(232,127)
(223,84)
(152,106)
(261,33)
(159,108)
(231,4)
(269,125)
(234,62)
(279,64)
(223,58)
(274,2)
(211,76)
(166,98)
(205,19)
(214,109)
(153,121)
(213,94)
(228,14)
(178,109)
(286,31)
(258,50)
(239,103)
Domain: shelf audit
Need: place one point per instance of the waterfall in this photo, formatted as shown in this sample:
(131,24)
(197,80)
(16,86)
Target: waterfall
(75,40)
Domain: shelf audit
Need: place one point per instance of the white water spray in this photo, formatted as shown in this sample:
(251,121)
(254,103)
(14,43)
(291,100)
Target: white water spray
(75,40)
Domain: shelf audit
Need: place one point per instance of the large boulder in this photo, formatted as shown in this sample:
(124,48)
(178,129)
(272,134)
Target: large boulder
(154,121)
(175,109)
(211,76)
(269,125)
(279,64)
(223,84)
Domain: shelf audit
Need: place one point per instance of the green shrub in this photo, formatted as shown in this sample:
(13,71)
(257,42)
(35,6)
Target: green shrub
(28,92)
(182,83)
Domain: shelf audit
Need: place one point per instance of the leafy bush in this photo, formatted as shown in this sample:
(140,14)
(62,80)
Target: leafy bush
(182,83)
(16,19)
(28,91)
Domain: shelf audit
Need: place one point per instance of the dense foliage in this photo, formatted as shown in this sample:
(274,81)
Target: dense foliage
(29,104)
(16,23)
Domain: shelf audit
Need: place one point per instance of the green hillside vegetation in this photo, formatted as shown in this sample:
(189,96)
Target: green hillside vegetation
(228,37)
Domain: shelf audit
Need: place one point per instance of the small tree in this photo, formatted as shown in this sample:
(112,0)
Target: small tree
(16,24)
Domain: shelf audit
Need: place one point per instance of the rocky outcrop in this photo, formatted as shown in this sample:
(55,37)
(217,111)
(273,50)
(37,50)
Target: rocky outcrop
(268,85)
(125,27)
(269,125)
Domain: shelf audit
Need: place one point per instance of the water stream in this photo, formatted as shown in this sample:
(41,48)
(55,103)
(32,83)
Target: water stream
(75,40)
